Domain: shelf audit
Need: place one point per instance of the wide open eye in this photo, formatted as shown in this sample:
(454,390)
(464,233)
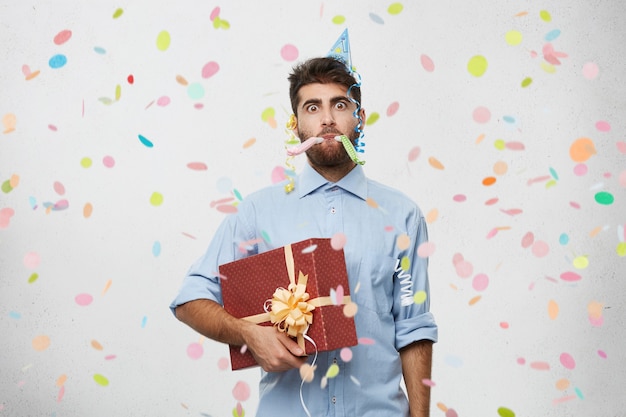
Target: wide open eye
(341,105)
(312,108)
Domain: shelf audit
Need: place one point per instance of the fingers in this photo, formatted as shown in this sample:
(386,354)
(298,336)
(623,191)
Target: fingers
(275,351)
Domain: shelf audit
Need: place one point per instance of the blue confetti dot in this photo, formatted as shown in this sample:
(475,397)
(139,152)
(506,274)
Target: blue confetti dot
(99,50)
(146,142)
(144,320)
(554,174)
(564,239)
(156,248)
(377,19)
(57,61)
(195,91)
(552,35)
(509,119)
(15,315)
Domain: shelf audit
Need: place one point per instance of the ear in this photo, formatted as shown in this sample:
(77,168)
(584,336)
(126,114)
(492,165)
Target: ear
(363,116)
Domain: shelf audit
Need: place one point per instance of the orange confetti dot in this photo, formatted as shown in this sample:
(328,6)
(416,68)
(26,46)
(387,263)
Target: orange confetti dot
(520,14)
(553,309)
(582,149)
(181,80)
(432,215)
(61,380)
(96,345)
(434,162)
(442,407)
(595,231)
(371,202)
(403,241)
(480,138)
(562,384)
(474,300)
(489,181)
(87,210)
(272,122)
(500,168)
(14,180)
(106,287)
(41,343)
(594,309)
(249,143)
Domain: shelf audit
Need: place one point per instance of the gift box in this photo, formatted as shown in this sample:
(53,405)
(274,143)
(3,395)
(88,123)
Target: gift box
(259,288)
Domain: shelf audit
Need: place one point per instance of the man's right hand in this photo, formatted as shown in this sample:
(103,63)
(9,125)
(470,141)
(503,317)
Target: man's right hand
(274,351)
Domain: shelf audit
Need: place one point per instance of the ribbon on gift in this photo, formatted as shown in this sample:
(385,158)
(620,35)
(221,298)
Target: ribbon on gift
(290,310)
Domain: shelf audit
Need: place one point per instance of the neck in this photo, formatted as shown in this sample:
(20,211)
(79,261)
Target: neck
(334,173)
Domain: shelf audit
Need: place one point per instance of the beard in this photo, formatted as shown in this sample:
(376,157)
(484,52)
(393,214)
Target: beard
(330,152)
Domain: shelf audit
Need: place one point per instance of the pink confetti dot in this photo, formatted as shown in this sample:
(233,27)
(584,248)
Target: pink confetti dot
(580,170)
(32,260)
(338,241)
(480,282)
(492,201)
(393,108)
(197,166)
(428,382)
(58,188)
(590,70)
(528,240)
(425,249)
(195,350)
(602,354)
(222,364)
(414,153)
(622,178)
(108,161)
(451,413)
(464,269)
(504,325)
(52,127)
(481,114)
(346,354)
(567,361)
(214,13)
(5,217)
(289,52)
(540,249)
(521,361)
(540,366)
(621,147)
(83,299)
(163,101)
(210,69)
(62,37)
(603,126)
(241,391)
(570,276)
(459,198)
(427,63)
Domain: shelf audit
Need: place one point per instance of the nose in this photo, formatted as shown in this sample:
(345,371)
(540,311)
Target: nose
(327,118)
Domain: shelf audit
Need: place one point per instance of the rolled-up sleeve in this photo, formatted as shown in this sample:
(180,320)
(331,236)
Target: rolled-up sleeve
(413,320)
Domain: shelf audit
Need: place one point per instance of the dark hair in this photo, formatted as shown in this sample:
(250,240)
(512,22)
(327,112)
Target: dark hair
(324,70)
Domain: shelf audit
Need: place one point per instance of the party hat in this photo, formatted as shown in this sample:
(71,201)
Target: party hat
(341,50)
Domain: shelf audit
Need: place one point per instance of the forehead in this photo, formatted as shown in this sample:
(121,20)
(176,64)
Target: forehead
(321,92)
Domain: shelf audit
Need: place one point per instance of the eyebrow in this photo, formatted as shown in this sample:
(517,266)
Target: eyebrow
(318,101)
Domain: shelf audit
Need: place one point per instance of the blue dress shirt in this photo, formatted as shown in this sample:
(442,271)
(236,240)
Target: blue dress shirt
(372,217)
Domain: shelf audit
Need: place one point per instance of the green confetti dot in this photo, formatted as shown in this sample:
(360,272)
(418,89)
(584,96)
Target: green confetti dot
(86,162)
(526,82)
(195,91)
(405,263)
(419,297)
(372,118)
(545,16)
(604,198)
(6,187)
(101,380)
(499,144)
(163,40)
(505,412)
(33,277)
(237,194)
(156,199)
(265,236)
(338,20)
(268,113)
(395,8)
(513,37)
(118,13)
(477,65)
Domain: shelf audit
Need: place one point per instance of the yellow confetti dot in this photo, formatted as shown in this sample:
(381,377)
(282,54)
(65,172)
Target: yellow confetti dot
(372,118)
(86,162)
(395,8)
(405,263)
(163,40)
(338,20)
(101,380)
(333,371)
(156,199)
(545,16)
(477,65)
(581,262)
(118,13)
(621,249)
(526,82)
(513,37)
(500,144)
(268,113)
(547,67)
(553,309)
(419,297)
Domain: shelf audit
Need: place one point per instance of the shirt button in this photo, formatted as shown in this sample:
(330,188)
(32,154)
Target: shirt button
(334,400)
(335,361)
(333,210)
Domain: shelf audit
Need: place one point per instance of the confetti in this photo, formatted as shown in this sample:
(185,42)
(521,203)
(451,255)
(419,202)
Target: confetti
(241,391)
(570,276)
(5,217)
(540,248)
(83,299)
(118,12)
(393,108)
(481,115)
(373,118)
(87,210)
(156,199)
(339,20)
(338,241)
(414,153)
(553,309)
(477,65)
(9,121)
(101,380)
(604,198)
(567,361)
(434,162)
(57,61)
(590,70)
(307,372)
(427,63)
(420,297)
(195,91)
(395,8)
(195,351)
(505,412)
(249,143)
(513,37)
(32,260)
(163,40)
(289,52)
(376,19)
(41,343)
(425,249)
(582,149)
(480,282)
(210,69)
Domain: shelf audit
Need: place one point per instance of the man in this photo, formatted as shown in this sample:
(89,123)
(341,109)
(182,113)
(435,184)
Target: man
(383,229)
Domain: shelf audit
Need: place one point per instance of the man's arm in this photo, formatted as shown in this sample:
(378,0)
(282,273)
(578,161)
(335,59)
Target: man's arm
(416,366)
(274,351)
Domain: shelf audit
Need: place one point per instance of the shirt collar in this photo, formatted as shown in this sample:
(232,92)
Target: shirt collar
(354,182)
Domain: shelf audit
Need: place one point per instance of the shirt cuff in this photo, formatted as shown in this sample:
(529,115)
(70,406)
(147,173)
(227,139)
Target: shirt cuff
(196,287)
(422,327)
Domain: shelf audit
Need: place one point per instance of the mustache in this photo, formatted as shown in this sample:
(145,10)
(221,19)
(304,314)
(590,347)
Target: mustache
(329,131)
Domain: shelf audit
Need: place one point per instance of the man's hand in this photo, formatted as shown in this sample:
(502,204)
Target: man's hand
(274,351)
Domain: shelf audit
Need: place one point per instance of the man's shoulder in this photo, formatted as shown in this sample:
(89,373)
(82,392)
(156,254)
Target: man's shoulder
(390,195)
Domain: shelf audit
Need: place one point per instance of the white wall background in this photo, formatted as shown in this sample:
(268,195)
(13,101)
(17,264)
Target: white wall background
(84,324)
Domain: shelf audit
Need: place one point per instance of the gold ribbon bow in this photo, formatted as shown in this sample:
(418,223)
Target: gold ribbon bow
(291,311)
